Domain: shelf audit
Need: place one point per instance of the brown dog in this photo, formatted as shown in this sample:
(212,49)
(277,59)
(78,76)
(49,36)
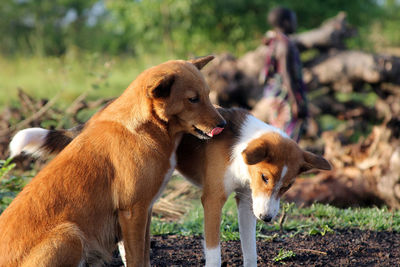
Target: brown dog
(104,183)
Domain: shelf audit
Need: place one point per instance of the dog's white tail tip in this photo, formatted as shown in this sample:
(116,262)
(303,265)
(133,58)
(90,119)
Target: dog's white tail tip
(28,141)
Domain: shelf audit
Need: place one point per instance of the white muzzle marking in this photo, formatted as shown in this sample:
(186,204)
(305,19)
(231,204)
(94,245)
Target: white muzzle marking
(265,208)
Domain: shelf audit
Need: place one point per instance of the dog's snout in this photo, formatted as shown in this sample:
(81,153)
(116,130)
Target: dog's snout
(265,218)
(222,124)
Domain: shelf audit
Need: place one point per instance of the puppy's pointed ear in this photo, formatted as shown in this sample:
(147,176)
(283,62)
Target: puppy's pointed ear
(201,61)
(312,161)
(161,86)
(255,152)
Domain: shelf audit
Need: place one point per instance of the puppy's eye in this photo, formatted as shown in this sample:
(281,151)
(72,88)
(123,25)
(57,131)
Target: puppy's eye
(264,178)
(193,100)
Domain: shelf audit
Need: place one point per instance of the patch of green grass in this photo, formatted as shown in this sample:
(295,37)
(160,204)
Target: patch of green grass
(159,227)
(318,215)
(230,224)
(318,219)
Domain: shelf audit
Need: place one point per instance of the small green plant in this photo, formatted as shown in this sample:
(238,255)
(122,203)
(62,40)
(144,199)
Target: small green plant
(5,167)
(286,208)
(284,255)
(268,238)
(320,231)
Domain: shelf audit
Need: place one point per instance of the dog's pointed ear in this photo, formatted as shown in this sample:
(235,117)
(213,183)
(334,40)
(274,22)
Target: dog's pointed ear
(200,62)
(312,161)
(161,87)
(255,152)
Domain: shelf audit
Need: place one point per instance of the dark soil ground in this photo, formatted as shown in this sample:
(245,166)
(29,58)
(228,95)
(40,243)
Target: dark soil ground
(341,248)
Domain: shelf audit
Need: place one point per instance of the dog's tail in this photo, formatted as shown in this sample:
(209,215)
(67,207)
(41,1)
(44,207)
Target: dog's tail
(41,142)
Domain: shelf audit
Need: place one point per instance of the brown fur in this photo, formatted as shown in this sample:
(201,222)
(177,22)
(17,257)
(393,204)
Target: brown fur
(102,185)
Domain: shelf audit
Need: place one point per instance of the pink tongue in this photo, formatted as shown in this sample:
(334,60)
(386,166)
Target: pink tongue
(216,130)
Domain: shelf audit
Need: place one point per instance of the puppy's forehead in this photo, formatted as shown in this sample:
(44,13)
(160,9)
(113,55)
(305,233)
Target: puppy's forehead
(283,157)
(275,149)
(280,148)
(270,169)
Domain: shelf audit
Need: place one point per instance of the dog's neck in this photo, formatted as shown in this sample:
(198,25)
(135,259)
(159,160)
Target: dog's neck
(132,113)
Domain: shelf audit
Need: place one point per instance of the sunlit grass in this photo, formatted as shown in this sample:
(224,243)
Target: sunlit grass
(71,75)
(318,219)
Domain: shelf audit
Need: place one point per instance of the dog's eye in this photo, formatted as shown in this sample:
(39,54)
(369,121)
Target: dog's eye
(195,99)
(264,178)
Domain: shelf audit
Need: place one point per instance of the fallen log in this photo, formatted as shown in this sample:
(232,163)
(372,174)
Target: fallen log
(364,173)
(344,70)
(331,34)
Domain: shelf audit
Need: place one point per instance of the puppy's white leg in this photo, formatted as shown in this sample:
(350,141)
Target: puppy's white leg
(247,230)
(121,249)
(212,204)
(213,256)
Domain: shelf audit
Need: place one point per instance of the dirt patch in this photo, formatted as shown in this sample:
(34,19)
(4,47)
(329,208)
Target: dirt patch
(341,248)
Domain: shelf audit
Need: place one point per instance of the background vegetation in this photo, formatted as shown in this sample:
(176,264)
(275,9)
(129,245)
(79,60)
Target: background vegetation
(59,27)
(63,45)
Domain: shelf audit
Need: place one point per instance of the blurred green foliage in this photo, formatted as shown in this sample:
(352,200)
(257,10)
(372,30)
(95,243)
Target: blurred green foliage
(184,27)
(10,185)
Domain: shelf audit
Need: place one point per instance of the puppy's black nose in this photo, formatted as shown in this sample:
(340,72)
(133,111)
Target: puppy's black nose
(222,124)
(266,218)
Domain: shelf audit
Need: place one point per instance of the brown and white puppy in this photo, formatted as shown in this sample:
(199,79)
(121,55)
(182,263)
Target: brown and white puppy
(101,187)
(253,159)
